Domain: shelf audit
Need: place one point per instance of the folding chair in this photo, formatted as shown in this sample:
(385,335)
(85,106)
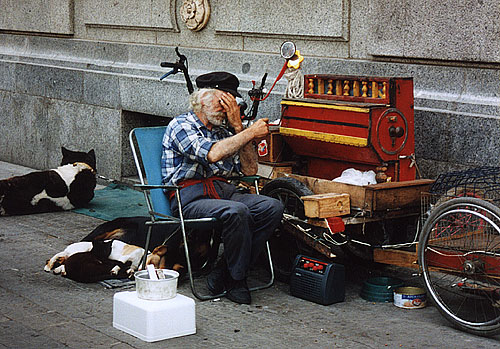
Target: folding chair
(146,144)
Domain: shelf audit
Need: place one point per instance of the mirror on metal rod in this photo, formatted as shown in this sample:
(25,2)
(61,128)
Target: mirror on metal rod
(287,50)
(257,94)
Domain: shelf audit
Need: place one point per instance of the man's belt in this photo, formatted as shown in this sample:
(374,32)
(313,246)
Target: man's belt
(208,186)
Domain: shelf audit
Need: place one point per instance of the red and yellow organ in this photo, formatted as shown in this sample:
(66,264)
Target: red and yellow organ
(366,123)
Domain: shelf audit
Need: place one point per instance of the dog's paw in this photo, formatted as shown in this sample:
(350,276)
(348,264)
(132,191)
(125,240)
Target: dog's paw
(46,268)
(130,273)
(60,270)
(115,270)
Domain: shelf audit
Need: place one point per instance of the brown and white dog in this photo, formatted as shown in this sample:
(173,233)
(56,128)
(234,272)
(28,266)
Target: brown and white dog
(60,258)
(126,234)
(87,267)
(170,248)
(114,250)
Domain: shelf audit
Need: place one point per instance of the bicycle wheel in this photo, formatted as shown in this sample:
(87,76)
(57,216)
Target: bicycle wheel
(459,255)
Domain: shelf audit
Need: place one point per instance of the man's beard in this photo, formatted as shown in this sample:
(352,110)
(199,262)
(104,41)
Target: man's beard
(216,118)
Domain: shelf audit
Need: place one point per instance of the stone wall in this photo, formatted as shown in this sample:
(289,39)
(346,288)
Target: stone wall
(82,73)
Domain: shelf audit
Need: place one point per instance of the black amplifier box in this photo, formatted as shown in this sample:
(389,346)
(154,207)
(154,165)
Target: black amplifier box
(317,281)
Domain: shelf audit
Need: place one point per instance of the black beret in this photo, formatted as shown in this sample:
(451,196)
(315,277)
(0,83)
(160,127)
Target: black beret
(219,80)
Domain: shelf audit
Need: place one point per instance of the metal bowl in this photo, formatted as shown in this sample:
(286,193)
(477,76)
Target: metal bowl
(156,290)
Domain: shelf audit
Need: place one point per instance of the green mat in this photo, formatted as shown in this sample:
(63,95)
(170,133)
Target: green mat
(115,201)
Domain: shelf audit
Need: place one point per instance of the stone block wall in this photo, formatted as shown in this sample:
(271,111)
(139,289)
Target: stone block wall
(81,73)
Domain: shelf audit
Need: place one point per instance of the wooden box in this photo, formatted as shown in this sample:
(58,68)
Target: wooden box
(270,148)
(326,205)
(392,198)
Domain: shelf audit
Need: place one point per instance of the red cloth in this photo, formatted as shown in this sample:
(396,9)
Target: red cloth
(208,186)
(336,224)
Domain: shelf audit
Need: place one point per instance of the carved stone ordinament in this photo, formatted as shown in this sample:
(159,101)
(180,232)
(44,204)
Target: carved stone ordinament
(195,13)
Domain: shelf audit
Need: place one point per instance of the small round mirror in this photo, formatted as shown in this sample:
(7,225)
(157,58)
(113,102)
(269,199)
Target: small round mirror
(287,49)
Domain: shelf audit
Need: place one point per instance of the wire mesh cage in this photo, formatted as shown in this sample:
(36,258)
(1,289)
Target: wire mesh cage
(480,182)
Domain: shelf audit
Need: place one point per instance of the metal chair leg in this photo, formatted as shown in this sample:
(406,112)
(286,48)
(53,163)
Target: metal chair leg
(146,248)
(271,270)
(188,259)
(269,259)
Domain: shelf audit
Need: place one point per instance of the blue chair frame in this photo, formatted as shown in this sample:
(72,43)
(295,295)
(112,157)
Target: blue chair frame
(146,145)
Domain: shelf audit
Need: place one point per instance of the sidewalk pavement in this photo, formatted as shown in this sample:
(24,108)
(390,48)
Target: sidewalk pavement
(42,310)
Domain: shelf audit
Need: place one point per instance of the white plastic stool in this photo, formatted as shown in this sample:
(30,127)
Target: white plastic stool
(153,320)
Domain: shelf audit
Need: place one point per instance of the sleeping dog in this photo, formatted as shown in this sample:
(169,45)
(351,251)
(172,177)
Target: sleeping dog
(115,250)
(91,266)
(70,185)
(132,230)
(127,233)
(100,260)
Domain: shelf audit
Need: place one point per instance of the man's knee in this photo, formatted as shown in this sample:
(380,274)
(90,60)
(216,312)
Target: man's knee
(278,206)
(236,226)
(273,207)
(235,212)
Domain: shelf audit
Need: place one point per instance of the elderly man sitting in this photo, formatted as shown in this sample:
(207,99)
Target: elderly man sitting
(201,149)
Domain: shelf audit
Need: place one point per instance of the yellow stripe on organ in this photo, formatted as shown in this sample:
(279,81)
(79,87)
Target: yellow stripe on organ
(325,137)
(327,106)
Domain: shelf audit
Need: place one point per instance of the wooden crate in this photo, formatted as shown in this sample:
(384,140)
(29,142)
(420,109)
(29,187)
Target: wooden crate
(326,205)
(396,257)
(396,197)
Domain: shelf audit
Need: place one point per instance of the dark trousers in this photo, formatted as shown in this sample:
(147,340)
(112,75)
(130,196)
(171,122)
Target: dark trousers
(248,220)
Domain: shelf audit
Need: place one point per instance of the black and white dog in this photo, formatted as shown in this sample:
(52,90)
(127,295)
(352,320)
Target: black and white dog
(68,186)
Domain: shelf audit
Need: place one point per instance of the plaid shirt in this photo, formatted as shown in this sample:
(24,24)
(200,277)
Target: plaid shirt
(186,144)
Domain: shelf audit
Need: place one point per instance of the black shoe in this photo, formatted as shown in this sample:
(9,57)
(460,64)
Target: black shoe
(215,280)
(237,291)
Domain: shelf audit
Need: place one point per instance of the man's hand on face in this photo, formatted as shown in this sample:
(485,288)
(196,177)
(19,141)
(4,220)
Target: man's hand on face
(260,128)
(232,109)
